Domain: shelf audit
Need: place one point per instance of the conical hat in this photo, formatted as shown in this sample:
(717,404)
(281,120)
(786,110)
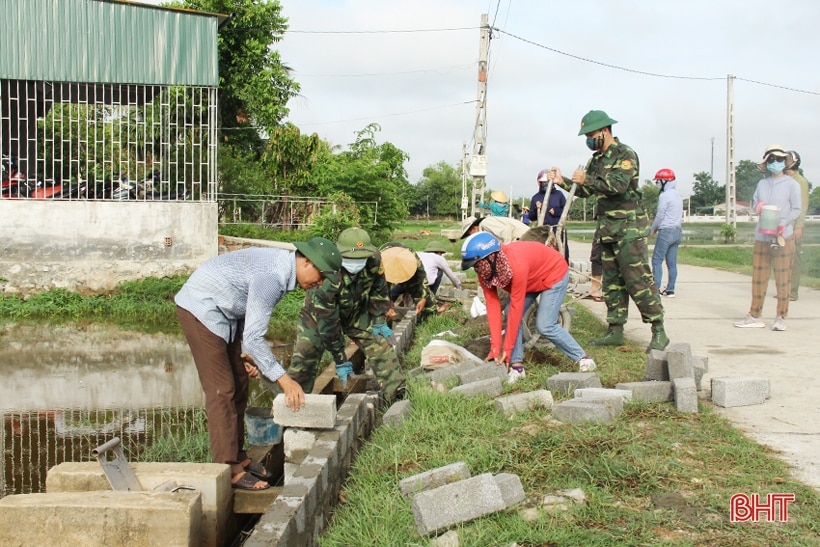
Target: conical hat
(399,264)
(499,196)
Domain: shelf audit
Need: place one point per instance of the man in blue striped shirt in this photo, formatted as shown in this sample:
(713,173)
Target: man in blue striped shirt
(224,309)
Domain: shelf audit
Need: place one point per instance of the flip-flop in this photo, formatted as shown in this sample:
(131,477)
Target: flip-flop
(248,482)
(258,470)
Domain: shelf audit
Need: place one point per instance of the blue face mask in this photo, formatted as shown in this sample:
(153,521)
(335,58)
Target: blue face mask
(776,167)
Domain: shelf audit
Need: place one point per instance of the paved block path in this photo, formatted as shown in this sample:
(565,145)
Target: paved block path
(706,303)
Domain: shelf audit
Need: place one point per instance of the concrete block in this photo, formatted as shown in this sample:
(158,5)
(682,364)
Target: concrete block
(700,366)
(482,372)
(740,391)
(568,382)
(614,402)
(648,392)
(319,412)
(439,508)
(512,491)
(452,371)
(491,387)
(396,414)
(656,368)
(434,478)
(519,402)
(597,392)
(576,411)
(679,361)
(102,518)
(297,443)
(211,480)
(686,395)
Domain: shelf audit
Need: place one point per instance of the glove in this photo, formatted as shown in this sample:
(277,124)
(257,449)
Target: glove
(780,229)
(382,330)
(344,370)
(759,206)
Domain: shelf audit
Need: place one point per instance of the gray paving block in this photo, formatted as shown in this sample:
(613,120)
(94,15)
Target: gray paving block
(614,402)
(679,361)
(397,412)
(519,402)
(410,486)
(451,371)
(491,387)
(740,391)
(511,488)
(482,372)
(656,368)
(437,509)
(576,411)
(594,392)
(568,382)
(699,366)
(319,412)
(649,392)
(686,395)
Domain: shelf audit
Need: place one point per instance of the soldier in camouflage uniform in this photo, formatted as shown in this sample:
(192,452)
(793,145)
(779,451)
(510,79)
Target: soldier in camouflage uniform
(353,303)
(415,284)
(623,226)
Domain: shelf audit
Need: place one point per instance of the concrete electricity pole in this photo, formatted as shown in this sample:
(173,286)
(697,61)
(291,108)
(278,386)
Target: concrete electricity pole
(478,161)
(731,216)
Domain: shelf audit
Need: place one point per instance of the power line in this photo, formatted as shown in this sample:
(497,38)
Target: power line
(380,31)
(443,70)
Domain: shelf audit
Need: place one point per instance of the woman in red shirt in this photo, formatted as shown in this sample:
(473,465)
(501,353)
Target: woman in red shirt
(527,270)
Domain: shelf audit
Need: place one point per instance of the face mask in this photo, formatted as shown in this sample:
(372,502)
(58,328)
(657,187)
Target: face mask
(775,167)
(595,143)
(659,185)
(354,265)
(542,186)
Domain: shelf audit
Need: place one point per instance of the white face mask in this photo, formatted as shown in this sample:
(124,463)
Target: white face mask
(354,265)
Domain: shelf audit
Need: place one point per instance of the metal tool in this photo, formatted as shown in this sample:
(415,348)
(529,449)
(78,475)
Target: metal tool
(119,474)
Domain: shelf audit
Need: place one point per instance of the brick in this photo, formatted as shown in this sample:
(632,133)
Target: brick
(439,508)
(595,392)
(686,395)
(491,387)
(576,411)
(397,412)
(519,402)
(656,368)
(679,361)
(568,382)
(482,372)
(319,412)
(434,478)
(451,372)
(512,491)
(740,391)
(648,392)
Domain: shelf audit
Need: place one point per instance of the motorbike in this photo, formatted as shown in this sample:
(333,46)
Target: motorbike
(14,183)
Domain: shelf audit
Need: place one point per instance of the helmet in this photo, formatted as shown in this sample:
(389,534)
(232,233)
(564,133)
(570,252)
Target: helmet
(595,120)
(665,175)
(355,243)
(793,161)
(542,176)
(476,247)
(322,252)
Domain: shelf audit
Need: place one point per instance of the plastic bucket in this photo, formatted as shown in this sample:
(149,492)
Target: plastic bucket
(260,427)
(769,219)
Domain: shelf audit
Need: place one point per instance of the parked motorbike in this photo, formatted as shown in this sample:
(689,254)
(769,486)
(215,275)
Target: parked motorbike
(14,183)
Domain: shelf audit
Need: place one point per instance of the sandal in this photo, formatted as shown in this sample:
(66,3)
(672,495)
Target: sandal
(247,481)
(258,470)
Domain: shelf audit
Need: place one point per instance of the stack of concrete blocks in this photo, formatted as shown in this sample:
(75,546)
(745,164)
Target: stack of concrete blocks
(403,330)
(671,375)
(598,406)
(447,496)
(579,271)
(299,513)
(79,507)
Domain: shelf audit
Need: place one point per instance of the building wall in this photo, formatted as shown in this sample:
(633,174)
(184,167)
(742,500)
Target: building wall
(91,246)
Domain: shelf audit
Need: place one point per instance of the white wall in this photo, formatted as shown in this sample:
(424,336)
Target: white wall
(91,246)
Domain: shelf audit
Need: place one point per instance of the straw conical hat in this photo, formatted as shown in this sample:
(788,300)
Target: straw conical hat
(499,196)
(399,264)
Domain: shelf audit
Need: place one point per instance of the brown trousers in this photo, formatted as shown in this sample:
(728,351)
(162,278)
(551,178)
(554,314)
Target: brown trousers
(225,383)
(765,259)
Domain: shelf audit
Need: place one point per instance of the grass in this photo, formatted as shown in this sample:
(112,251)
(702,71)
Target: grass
(650,450)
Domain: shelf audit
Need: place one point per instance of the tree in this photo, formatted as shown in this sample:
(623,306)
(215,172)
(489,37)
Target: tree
(438,192)
(649,197)
(706,192)
(747,176)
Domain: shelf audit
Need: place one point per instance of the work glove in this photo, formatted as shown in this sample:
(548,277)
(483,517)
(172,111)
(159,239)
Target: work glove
(382,330)
(344,371)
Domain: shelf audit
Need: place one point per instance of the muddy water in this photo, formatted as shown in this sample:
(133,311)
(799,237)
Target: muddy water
(67,389)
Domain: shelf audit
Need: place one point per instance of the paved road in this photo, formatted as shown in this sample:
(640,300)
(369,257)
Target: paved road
(707,302)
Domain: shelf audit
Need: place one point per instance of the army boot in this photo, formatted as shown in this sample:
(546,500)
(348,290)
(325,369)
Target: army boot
(614,337)
(659,339)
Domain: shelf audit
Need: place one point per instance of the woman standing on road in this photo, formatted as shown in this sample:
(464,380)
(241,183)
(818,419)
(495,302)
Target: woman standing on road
(667,225)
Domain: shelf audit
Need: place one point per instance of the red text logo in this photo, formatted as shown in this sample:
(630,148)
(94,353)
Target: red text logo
(743,508)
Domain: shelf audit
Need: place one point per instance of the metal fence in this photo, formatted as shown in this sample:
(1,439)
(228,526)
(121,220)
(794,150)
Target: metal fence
(107,142)
(282,212)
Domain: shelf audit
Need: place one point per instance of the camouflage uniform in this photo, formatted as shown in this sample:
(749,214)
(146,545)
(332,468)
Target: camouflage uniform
(623,227)
(346,305)
(418,287)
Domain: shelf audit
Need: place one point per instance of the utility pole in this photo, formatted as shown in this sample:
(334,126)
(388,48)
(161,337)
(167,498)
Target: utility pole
(478,161)
(712,164)
(731,217)
(464,195)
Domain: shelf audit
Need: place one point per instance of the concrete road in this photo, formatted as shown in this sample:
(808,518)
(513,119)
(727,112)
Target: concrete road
(706,303)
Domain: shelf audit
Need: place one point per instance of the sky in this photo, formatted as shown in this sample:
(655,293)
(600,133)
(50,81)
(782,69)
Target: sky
(658,67)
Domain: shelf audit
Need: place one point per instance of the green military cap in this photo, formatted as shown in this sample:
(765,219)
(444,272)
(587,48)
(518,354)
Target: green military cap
(435,247)
(595,120)
(322,252)
(355,243)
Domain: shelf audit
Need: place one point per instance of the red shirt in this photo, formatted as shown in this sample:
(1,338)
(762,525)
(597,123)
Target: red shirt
(535,267)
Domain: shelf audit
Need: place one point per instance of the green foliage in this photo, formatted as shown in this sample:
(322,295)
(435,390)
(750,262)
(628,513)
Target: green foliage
(342,214)
(649,197)
(289,157)
(728,231)
(182,438)
(438,193)
(814,202)
(746,178)
(706,192)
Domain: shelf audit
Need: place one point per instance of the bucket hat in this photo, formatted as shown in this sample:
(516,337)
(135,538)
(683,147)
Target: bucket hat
(773,150)
(322,252)
(595,120)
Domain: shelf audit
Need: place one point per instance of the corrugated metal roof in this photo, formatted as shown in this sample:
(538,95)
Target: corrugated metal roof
(107,41)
